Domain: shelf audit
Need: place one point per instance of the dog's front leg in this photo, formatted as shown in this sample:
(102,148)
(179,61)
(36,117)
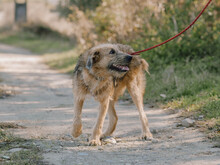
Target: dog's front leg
(77,121)
(97,131)
(113,118)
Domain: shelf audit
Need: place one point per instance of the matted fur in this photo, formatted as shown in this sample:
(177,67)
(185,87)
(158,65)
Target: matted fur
(104,72)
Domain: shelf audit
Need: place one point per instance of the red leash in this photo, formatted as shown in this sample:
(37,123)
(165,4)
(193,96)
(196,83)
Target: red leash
(137,53)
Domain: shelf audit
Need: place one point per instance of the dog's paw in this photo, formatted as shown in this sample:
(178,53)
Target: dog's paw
(77,130)
(147,136)
(95,143)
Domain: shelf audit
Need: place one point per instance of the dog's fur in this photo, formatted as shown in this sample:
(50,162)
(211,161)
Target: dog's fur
(105,71)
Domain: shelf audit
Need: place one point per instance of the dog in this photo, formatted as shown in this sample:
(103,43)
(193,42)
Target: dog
(105,71)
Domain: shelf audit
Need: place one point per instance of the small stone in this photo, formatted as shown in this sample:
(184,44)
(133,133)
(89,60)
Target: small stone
(201,117)
(15,150)
(188,122)
(100,148)
(108,144)
(163,95)
(155,140)
(155,131)
(110,140)
(6,157)
(118,140)
(179,125)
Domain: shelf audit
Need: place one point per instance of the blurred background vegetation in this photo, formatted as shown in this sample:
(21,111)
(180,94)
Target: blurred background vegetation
(184,72)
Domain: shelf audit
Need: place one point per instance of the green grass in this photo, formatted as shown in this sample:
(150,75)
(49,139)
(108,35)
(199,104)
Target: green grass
(180,80)
(212,109)
(36,43)
(30,155)
(58,52)
(64,62)
(192,87)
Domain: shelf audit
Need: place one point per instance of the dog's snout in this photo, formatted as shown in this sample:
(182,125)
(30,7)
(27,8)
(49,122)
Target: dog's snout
(128,58)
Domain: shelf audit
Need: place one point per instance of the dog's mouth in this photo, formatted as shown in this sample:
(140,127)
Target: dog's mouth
(119,68)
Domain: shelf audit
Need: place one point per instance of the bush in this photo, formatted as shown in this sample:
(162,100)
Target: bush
(183,67)
(142,24)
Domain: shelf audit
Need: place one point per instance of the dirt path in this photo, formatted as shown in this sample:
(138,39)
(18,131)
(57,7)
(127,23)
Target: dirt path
(44,106)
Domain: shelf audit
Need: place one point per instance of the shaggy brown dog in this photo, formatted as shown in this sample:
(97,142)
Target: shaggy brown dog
(105,71)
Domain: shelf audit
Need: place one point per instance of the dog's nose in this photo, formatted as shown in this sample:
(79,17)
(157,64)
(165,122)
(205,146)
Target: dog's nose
(128,58)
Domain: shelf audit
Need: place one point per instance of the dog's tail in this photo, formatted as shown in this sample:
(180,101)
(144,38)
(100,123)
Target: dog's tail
(145,66)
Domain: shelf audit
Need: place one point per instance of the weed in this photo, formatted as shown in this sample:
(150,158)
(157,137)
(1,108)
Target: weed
(29,153)
(212,109)
(29,157)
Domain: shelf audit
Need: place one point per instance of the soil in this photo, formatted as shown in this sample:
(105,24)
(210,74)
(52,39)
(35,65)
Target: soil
(43,107)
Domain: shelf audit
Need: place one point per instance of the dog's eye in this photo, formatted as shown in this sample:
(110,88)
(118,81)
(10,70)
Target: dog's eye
(112,51)
(96,53)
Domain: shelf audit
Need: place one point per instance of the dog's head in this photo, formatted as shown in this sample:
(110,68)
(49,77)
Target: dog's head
(108,60)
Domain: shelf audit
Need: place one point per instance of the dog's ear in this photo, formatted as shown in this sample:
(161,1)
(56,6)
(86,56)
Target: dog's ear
(89,63)
(92,60)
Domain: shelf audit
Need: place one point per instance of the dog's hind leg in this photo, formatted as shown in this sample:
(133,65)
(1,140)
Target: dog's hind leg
(97,131)
(137,96)
(77,121)
(113,118)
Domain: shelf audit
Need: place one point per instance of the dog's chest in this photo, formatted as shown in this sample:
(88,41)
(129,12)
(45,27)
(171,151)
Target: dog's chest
(98,87)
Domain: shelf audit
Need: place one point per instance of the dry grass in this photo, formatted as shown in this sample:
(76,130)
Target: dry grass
(6,125)
(6,91)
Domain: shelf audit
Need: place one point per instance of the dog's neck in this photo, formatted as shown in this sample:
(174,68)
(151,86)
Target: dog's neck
(98,87)
(114,79)
(91,78)
(96,76)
